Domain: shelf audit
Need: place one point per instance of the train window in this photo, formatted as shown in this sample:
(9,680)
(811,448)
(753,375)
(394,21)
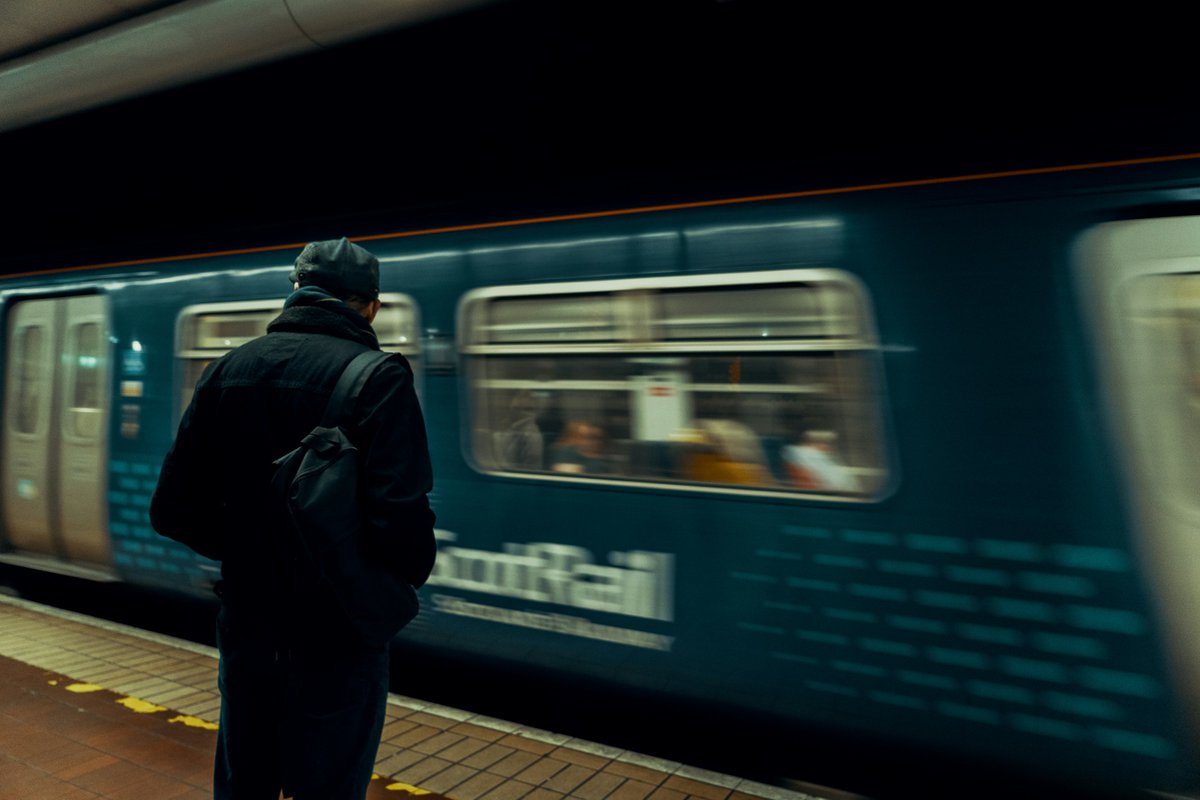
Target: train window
(397,326)
(29,345)
(1165,313)
(817,313)
(226,331)
(207,332)
(580,318)
(210,331)
(84,408)
(760,382)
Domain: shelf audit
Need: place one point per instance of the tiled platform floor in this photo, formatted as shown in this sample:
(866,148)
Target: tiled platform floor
(92,709)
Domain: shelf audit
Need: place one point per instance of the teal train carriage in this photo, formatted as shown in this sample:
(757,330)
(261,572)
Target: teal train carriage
(909,462)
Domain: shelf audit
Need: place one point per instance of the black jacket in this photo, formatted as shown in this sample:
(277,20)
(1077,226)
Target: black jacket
(254,405)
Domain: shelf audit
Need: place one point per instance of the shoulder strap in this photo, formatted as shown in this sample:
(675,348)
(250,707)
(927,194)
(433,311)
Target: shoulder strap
(353,378)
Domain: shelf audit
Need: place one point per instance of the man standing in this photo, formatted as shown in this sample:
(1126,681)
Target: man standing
(302,699)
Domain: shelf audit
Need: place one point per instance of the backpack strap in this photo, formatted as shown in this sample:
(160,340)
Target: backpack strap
(353,378)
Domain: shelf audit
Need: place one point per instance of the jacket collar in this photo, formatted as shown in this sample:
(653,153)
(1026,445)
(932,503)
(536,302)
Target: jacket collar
(311,309)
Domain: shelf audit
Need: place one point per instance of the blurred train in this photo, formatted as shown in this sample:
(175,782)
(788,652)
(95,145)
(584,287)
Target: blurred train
(914,462)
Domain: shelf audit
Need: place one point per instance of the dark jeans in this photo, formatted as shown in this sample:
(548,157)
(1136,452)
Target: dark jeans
(305,719)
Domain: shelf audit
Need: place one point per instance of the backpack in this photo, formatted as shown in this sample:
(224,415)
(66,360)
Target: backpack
(315,491)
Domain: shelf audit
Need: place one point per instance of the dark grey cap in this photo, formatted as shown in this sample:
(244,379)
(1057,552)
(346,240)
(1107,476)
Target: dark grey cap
(338,266)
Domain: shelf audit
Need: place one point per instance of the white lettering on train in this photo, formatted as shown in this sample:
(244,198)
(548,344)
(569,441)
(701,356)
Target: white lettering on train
(556,623)
(636,583)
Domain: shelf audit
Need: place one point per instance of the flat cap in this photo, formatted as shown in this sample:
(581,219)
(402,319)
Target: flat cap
(338,266)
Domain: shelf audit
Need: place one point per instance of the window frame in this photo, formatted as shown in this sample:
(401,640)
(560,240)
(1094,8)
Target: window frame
(866,341)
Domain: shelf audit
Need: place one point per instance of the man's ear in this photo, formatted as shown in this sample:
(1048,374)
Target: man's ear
(372,309)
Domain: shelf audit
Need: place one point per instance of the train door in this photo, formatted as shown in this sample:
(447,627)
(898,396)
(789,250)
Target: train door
(1141,281)
(55,420)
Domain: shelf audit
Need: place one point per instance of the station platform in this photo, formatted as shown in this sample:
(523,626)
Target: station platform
(95,709)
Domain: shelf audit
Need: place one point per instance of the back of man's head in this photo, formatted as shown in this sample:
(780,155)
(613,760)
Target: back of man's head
(340,267)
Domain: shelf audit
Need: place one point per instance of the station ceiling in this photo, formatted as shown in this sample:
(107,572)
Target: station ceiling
(27,26)
(69,55)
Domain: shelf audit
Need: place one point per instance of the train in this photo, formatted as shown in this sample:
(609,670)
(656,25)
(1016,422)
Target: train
(912,463)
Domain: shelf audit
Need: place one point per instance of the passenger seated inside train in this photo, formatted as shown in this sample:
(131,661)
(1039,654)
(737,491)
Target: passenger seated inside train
(522,445)
(580,449)
(729,452)
(812,464)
